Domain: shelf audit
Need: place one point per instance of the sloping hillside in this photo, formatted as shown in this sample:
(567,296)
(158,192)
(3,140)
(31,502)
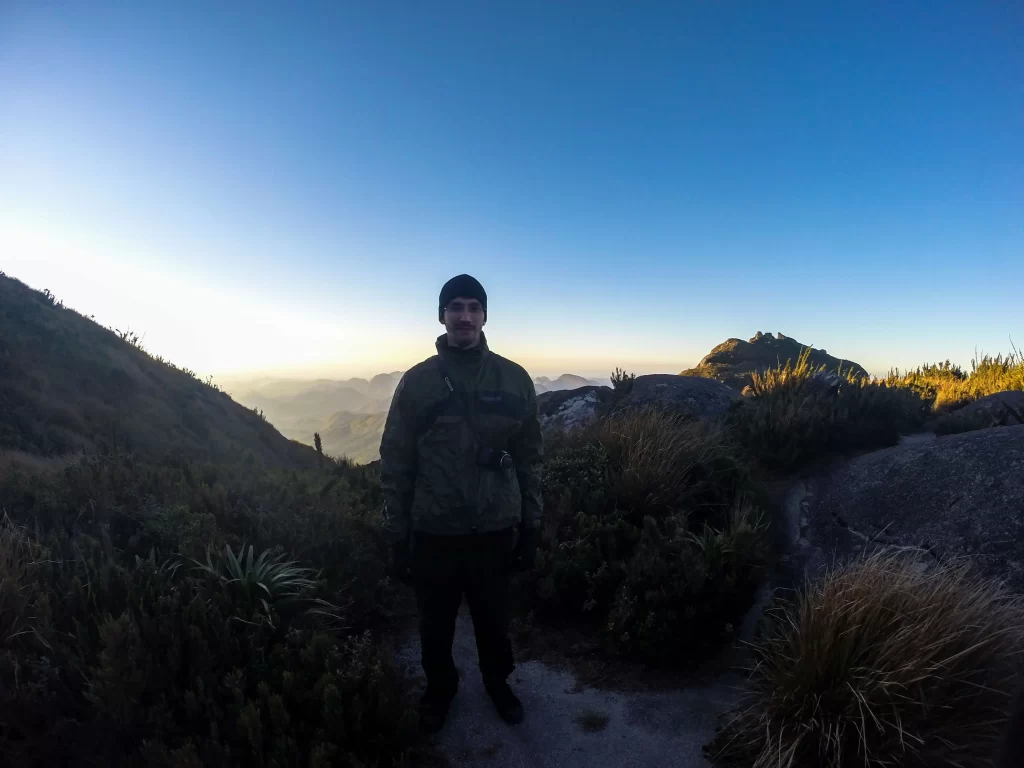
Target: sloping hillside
(734,360)
(69,385)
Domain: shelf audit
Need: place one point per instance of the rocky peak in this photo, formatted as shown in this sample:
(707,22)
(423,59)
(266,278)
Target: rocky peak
(733,361)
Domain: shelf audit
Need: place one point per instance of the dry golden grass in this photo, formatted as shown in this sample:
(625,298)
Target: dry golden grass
(949,388)
(796,413)
(885,662)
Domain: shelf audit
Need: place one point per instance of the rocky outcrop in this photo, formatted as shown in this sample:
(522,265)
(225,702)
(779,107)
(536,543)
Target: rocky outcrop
(999,410)
(572,408)
(733,361)
(695,396)
(691,395)
(955,496)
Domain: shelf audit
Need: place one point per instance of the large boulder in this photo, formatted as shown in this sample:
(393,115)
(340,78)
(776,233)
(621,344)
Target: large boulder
(954,496)
(572,408)
(733,361)
(695,396)
(691,395)
(1000,409)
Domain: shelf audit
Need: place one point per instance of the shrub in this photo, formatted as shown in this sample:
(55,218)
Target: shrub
(682,591)
(884,662)
(796,413)
(927,380)
(113,651)
(622,382)
(661,460)
(950,388)
(646,537)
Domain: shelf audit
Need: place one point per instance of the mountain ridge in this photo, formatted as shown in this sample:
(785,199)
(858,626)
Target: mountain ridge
(68,385)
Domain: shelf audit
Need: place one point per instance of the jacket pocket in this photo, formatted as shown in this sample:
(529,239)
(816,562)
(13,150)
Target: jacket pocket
(500,498)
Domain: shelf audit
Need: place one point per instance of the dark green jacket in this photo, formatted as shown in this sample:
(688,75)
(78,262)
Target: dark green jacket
(429,468)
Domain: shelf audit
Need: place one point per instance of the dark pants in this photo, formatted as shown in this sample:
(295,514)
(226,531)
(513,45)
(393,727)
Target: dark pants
(1013,748)
(447,567)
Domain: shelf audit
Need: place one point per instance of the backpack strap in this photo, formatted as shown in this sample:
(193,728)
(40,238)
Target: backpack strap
(452,399)
(427,417)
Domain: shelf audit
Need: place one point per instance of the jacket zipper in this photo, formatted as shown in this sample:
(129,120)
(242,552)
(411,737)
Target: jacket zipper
(477,472)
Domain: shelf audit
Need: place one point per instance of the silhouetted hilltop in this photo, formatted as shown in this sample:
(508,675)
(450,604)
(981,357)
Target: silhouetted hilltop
(69,385)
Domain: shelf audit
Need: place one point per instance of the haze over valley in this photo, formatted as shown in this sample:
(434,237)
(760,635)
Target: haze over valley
(348,414)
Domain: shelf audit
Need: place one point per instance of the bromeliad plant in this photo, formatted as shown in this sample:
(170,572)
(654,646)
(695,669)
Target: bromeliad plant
(269,581)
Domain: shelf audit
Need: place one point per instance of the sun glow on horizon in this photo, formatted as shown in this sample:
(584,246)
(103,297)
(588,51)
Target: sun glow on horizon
(215,329)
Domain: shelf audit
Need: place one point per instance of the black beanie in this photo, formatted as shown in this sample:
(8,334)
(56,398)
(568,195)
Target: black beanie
(462,285)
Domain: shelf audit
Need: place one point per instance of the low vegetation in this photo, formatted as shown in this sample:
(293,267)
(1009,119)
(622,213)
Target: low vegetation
(622,382)
(186,614)
(947,387)
(181,586)
(797,413)
(886,661)
(649,538)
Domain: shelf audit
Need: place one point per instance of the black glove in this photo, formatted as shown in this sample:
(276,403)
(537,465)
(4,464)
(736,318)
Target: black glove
(400,567)
(525,553)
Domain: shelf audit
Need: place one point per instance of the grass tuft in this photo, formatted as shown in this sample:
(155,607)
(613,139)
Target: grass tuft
(796,413)
(948,388)
(650,538)
(887,661)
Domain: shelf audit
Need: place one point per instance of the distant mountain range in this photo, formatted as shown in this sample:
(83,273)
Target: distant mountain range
(349,414)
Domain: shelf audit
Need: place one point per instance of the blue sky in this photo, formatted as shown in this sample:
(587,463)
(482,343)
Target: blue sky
(284,187)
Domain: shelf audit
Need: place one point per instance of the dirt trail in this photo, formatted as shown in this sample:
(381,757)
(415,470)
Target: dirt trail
(575,727)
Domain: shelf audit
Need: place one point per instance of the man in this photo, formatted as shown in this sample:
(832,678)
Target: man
(460,466)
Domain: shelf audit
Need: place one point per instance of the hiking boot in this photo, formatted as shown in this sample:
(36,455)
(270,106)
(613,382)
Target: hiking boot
(509,707)
(434,710)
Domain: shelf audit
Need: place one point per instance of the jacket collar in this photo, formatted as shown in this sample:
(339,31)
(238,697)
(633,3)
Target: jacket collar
(457,356)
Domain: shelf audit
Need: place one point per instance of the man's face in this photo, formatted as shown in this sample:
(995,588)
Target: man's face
(464,319)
